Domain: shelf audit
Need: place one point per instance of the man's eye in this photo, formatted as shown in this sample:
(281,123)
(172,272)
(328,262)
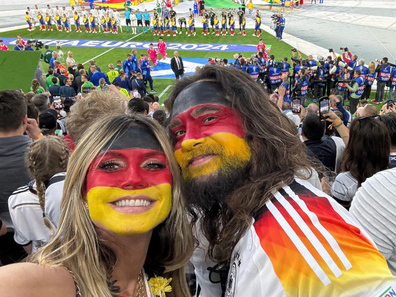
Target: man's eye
(109,166)
(209,119)
(180,133)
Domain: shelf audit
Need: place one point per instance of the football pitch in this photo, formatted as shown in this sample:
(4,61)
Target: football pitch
(108,48)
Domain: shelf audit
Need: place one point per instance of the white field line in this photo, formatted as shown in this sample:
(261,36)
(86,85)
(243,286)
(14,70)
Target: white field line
(164,91)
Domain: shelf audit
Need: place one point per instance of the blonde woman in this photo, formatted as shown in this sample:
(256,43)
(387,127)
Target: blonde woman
(123,80)
(36,88)
(45,158)
(371,75)
(71,63)
(122,221)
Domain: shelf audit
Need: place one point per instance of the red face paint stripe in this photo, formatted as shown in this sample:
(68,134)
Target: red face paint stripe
(138,168)
(225,120)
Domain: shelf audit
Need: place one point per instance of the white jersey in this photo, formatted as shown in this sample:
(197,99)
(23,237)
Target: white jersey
(66,12)
(58,11)
(53,195)
(50,12)
(35,12)
(303,243)
(94,13)
(133,19)
(27,217)
(84,12)
(101,13)
(116,16)
(110,13)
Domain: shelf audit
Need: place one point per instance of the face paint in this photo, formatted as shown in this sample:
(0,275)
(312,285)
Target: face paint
(209,136)
(129,185)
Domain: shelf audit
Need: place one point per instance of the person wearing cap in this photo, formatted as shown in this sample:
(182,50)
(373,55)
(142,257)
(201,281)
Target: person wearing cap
(47,121)
(112,73)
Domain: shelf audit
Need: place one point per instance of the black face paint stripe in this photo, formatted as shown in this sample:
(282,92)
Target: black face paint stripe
(134,137)
(203,92)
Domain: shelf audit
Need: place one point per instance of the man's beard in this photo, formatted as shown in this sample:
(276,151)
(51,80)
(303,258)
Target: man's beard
(208,193)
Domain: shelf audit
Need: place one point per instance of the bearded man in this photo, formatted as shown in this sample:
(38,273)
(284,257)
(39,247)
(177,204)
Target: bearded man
(257,219)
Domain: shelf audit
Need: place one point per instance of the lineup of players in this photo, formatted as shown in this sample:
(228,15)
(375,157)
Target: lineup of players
(108,20)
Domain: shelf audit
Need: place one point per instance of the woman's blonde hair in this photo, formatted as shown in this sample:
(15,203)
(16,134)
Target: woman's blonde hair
(371,67)
(122,74)
(45,158)
(35,85)
(102,82)
(69,52)
(71,76)
(77,246)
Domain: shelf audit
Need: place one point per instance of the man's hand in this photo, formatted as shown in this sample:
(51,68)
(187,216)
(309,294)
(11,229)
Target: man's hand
(334,98)
(389,108)
(281,91)
(331,116)
(32,128)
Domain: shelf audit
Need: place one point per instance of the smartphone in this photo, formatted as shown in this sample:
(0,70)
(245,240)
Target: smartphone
(296,105)
(389,103)
(324,106)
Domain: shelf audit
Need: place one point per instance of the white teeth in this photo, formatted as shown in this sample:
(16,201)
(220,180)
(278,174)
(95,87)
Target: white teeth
(132,203)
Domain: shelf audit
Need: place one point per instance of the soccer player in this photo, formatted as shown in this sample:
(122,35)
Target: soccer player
(224,26)
(86,24)
(65,21)
(133,22)
(162,48)
(114,25)
(58,21)
(204,25)
(167,25)
(104,24)
(190,25)
(146,17)
(224,15)
(49,22)
(182,20)
(127,14)
(93,23)
(117,17)
(261,45)
(257,29)
(212,18)
(173,24)
(139,18)
(153,54)
(241,16)
(41,21)
(216,24)
(243,26)
(28,20)
(230,15)
(77,21)
(232,26)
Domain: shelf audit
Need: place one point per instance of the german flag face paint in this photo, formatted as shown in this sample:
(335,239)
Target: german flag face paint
(129,184)
(209,134)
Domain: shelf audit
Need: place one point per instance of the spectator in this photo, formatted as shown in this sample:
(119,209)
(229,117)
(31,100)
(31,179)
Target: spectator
(123,80)
(97,75)
(112,73)
(122,90)
(55,88)
(146,71)
(77,72)
(3,227)
(370,110)
(54,56)
(85,82)
(18,46)
(150,102)
(59,67)
(118,67)
(42,102)
(335,104)
(389,121)
(92,63)
(102,84)
(47,122)
(138,85)
(62,77)
(67,90)
(36,88)
(136,105)
(74,84)
(374,207)
(46,157)
(47,56)
(78,80)
(312,108)
(366,153)
(48,80)
(71,63)
(13,171)
(319,146)
(160,116)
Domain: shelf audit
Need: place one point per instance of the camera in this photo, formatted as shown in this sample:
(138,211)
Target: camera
(346,81)
(37,44)
(331,50)
(344,48)
(274,17)
(378,60)
(294,50)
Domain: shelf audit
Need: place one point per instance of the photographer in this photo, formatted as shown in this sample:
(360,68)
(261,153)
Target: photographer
(352,60)
(383,70)
(356,91)
(296,64)
(253,69)
(362,68)
(371,75)
(29,46)
(327,65)
(285,67)
(320,80)
(274,74)
(263,66)
(280,26)
(285,86)
(392,83)
(301,85)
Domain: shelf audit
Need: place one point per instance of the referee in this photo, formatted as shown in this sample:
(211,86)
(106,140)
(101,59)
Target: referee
(139,18)
(212,17)
(146,16)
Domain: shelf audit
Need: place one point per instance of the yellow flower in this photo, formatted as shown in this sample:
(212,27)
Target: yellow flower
(160,285)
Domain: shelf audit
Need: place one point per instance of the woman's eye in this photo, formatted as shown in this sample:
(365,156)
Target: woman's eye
(209,119)
(109,166)
(155,166)
(179,133)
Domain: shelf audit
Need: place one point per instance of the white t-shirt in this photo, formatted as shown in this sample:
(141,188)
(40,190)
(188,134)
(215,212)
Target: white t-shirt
(27,217)
(340,146)
(344,187)
(374,206)
(70,60)
(53,199)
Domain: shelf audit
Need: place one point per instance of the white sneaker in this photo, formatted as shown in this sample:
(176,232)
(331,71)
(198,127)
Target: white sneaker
(168,35)
(204,34)
(180,32)
(254,34)
(188,35)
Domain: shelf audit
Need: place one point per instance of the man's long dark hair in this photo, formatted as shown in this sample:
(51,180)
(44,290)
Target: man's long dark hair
(278,156)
